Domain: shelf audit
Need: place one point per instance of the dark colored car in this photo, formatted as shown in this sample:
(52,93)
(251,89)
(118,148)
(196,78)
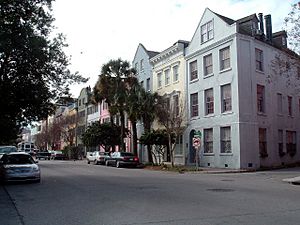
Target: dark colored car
(43,155)
(19,166)
(120,159)
(58,155)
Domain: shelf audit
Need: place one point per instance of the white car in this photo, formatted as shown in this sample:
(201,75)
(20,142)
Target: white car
(97,157)
(19,166)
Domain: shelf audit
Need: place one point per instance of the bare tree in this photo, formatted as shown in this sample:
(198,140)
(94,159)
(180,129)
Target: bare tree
(292,25)
(173,117)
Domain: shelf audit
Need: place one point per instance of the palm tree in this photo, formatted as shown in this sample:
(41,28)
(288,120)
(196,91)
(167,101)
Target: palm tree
(148,110)
(112,87)
(133,107)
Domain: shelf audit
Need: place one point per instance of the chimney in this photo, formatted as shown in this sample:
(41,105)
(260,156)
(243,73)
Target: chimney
(261,23)
(268,28)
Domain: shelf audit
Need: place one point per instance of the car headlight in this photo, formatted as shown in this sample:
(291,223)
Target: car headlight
(35,169)
(10,171)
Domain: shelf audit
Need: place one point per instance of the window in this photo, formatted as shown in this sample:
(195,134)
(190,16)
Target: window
(207,31)
(167,103)
(291,142)
(298,72)
(226,140)
(79,104)
(260,98)
(224,58)
(159,80)
(208,140)
(259,59)
(280,142)
(176,105)
(209,101)
(194,105)
(142,64)
(96,108)
(290,105)
(263,142)
(207,63)
(226,98)
(136,67)
(175,73)
(279,103)
(193,70)
(179,145)
(167,77)
(148,84)
(142,84)
(105,105)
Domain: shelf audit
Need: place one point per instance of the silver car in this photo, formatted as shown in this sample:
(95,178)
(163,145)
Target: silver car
(19,166)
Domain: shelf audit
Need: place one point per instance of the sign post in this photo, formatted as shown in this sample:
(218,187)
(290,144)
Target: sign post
(197,146)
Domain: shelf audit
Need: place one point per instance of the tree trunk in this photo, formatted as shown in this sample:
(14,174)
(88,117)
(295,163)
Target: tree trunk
(122,146)
(134,137)
(147,128)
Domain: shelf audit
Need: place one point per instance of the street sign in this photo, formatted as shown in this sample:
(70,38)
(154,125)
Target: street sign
(198,134)
(196,142)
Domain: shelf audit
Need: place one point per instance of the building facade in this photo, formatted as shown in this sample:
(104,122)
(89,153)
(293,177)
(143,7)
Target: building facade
(169,81)
(233,93)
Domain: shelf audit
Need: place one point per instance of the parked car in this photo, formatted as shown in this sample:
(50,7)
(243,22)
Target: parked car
(120,159)
(19,166)
(43,155)
(7,149)
(58,155)
(97,157)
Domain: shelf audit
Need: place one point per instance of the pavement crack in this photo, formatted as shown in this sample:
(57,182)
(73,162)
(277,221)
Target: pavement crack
(15,206)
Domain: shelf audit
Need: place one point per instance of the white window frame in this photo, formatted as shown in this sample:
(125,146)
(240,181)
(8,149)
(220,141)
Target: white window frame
(207,31)
(193,70)
(175,70)
(208,141)
(207,65)
(226,140)
(209,101)
(259,60)
(159,80)
(260,99)
(194,104)
(224,58)
(167,77)
(226,101)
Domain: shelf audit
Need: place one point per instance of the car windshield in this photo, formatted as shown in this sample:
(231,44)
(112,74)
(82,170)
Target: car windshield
(104,153)
(7,149)
(126,154)
(17,159)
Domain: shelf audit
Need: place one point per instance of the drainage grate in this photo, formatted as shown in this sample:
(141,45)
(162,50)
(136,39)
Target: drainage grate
(220,190)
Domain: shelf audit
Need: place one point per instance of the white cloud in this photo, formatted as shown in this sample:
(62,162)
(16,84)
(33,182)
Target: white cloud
(98,31)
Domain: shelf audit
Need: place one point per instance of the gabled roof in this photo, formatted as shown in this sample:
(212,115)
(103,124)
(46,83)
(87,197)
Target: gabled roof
(149,53)
(225,19)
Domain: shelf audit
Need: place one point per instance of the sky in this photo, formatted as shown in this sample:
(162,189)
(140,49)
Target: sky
(100,30)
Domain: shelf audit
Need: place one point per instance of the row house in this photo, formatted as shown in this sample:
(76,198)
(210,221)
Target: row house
(143,67)
(237,97)
(241,88)
(168,73)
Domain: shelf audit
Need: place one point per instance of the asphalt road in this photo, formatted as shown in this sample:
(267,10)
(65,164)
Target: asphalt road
(75,193)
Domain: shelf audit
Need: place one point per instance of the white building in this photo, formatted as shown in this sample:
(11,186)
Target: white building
(238,99)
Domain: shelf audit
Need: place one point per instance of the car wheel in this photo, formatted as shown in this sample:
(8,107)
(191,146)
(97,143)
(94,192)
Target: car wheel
(106,163)
(88,162)
(95,162)
(118,165)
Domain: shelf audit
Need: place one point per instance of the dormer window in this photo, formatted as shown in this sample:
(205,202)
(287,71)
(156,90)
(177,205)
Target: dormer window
(207,32)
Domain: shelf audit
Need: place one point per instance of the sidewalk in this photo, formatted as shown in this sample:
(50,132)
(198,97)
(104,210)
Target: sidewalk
(8,212)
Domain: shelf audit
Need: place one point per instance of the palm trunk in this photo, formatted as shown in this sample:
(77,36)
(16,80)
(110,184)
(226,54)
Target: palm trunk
(134,137)
(122,146)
